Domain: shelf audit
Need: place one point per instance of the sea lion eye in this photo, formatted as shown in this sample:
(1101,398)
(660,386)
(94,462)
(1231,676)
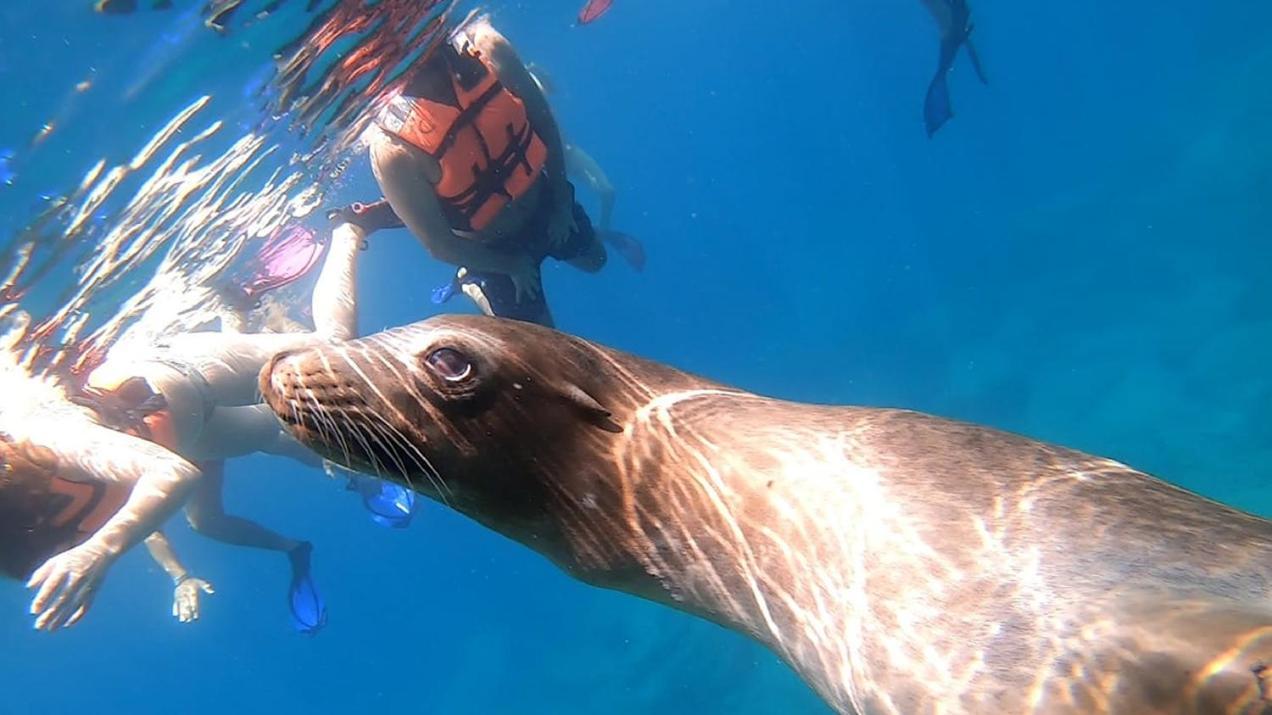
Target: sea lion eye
(449,364)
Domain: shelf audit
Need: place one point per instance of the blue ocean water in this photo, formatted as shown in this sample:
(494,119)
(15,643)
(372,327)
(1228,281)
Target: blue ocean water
(1079,255)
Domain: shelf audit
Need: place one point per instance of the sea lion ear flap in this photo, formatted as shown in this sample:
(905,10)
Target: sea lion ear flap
(591,410)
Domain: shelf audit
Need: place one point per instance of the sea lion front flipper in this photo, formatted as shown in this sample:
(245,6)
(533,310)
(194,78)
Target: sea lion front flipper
(1202,655)
(593,411)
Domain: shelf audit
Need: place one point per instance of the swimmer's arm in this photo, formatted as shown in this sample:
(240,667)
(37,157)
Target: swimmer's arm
(429,223)
(66,583)
(160,480)
(164,555)
(514,75)
(187,589)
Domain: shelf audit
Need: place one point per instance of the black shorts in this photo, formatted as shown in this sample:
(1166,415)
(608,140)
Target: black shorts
(533,237)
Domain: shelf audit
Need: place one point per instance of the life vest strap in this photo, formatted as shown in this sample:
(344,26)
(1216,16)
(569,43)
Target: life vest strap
(465,119)
(491,180)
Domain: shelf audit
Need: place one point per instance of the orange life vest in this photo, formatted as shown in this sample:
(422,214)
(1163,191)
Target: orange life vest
(489,153)
(91,504)
(43,510)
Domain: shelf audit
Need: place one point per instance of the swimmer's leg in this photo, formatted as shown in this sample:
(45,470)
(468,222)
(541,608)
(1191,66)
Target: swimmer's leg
(230,363)
(239,431)
(580,164)
(206,513)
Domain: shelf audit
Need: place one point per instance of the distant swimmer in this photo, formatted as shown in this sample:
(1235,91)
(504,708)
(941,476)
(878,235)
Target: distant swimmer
(954,21)
(593,10)
(123,7)
(470,159)
(159,421)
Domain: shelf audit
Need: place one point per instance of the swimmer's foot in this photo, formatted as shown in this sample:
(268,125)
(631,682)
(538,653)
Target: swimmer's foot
(370,217)
(308,611)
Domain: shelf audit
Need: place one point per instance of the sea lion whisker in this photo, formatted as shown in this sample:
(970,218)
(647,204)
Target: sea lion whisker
(364,438)
(323,420)
(378,434)
(398,440)
(426,467)
(328,429)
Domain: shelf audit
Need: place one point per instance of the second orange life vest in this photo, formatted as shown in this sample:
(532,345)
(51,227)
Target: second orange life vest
(490,154)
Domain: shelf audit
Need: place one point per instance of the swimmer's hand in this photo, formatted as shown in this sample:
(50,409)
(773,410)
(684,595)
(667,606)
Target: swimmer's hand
(561,226)
(185,598)
(67,584)
(526,279)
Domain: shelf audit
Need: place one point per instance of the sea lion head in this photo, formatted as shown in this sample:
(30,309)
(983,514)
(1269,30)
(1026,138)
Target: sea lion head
(496,418)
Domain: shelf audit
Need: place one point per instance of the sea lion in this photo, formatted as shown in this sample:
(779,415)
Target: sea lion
(900,562)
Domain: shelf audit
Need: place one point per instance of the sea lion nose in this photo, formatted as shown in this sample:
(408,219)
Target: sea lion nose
(269,373)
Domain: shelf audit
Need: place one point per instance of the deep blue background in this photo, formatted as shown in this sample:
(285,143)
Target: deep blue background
(1079,255)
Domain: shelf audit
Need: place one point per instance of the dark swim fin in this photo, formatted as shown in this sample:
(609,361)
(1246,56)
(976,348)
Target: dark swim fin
(974,56)
(308,611)
(627,246)
(936,107)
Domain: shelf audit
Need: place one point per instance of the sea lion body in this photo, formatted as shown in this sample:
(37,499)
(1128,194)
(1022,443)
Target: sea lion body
(900,562)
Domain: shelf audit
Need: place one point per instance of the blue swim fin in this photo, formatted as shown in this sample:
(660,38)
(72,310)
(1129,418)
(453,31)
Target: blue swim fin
(7,174)
(308,611)
(443,293)
(390,505)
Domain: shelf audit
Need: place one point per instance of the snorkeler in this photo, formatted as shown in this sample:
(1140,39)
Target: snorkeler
(470,159)
(954,21)
(123,7)
(46,508)
(191,399)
